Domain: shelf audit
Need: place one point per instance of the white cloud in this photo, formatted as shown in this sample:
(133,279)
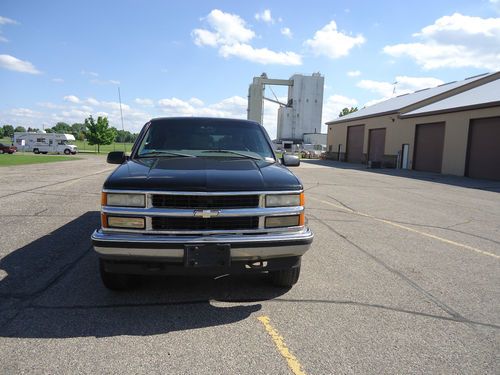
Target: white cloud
(72,99)
(286,32)
(144,102)
(229,33)
(265,16)
(196,102)
(260,55)
(228,28)
(57,80)
(23,113)
(331,42)
(87,73)
(7,21)
(3,39)
(454,41)
(12,63)
(334,104)
(354,73)
(402,85)
(96,81)
(92,101)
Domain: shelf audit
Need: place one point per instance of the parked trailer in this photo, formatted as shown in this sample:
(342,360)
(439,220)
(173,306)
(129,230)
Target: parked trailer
(45,142)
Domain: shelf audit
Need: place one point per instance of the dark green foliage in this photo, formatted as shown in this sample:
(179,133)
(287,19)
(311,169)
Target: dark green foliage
(8,131)
(98,132)
(346,111)
(20,129)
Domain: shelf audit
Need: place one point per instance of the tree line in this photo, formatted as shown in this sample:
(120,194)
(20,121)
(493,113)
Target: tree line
(80,131)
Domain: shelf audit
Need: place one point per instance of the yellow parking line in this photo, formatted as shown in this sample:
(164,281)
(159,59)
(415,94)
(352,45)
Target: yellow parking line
(458,244)
(278,340)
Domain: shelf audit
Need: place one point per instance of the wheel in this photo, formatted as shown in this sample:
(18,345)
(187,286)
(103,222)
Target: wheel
(36,151)
(67,152)
(1,151)
(114,281)
(45,152)
(285,278)
(73,153)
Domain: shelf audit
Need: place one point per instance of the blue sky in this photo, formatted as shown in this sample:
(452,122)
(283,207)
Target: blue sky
(64,60)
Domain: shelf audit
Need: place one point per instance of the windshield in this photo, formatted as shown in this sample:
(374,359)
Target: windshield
(205,138)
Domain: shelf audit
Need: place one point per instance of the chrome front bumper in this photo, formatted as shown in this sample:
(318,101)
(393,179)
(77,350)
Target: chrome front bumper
(171,248)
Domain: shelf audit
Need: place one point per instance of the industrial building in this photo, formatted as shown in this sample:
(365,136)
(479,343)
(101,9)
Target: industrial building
(453,129)
(299,119)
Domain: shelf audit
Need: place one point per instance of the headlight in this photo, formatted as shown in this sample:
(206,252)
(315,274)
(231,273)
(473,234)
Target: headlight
(125,222)
(284,200)
(123,200)
(282,221)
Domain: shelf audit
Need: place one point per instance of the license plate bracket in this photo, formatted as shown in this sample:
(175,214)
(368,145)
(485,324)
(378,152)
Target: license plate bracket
(207,255)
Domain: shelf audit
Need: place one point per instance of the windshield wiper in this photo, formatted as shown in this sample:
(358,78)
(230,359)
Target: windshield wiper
(234,153)
(154,153)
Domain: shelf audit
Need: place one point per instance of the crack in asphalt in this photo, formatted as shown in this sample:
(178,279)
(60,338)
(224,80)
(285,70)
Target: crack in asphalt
(25,299)
(55,183)
(350,210)
(255,300)
(449,310)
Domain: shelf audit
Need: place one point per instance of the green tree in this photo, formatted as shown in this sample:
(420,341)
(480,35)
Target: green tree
(20,129)
(8,131)
(62,127)
(98,132)
(1,132)
(77,129)
(346,111)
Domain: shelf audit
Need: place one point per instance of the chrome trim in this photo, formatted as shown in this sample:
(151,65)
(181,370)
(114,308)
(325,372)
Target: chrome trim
(152,232)
(249,253)
(182,212)
(204,192)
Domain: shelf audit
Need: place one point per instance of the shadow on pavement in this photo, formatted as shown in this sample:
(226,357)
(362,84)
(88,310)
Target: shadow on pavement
(53,290)
(466,182)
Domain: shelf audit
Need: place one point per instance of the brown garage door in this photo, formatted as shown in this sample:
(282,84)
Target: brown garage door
(355,140)
(483,154)
(429,142)
(376,145)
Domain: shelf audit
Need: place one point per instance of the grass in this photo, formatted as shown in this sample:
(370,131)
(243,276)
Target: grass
(7,160)
(83,146)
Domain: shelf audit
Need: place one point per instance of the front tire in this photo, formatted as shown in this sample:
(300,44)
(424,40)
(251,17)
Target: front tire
(36,151)
(114,281)
(285,278)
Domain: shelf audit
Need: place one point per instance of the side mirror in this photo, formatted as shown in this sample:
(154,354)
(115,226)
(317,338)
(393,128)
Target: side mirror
(290,160)
(116,157)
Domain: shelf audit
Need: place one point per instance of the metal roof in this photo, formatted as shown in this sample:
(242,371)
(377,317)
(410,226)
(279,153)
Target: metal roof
(395,104)
(481,96)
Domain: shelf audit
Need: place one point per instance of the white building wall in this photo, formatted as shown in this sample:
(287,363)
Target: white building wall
(306,96)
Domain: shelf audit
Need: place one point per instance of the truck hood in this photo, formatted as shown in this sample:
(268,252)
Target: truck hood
(202,174)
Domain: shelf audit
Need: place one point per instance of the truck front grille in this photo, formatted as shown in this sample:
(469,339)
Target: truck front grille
(205,201)
(194,224)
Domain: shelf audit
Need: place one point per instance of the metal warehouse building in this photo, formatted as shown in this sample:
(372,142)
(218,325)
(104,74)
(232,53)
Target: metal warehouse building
(453,128)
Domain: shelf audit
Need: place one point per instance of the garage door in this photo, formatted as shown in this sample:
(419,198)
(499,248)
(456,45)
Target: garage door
(483,154)
(355,140)
(429,142)
(376,145)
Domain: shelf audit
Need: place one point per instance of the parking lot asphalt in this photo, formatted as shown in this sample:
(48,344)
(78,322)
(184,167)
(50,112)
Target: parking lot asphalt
(403,277)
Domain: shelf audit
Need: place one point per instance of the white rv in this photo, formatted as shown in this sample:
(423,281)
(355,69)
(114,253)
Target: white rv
(45,142)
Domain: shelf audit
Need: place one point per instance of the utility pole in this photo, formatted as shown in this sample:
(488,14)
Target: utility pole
(121,115)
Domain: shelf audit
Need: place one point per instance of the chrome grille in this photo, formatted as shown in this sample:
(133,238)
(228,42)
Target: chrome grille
(204,201)
(216,223)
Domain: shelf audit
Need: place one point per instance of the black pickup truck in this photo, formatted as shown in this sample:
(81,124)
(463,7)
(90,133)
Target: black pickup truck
(201,196)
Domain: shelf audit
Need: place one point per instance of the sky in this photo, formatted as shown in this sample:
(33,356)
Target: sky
(65,60)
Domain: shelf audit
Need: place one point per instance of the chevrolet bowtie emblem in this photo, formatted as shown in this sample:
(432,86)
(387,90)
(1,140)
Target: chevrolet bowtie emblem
(206,214)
